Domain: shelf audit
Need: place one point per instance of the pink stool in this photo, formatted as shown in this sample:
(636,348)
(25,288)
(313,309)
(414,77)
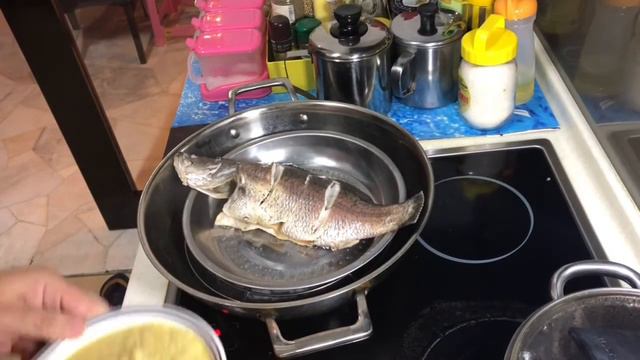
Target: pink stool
(157,14)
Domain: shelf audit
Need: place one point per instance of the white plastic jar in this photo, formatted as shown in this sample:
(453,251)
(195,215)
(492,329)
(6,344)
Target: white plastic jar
(487,93)
(487,74)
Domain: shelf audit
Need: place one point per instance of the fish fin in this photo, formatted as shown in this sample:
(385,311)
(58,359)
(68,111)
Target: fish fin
(220,192)
(330,195)
(414,208)
(275,230)
(276,174)
(225,220)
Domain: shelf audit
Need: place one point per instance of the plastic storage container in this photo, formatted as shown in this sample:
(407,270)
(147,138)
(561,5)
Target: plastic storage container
(488,74)
(228,58)
(229,19)
(212,5)
(520,15)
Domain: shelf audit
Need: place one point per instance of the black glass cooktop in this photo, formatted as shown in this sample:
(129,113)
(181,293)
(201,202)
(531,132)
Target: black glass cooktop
(501,224)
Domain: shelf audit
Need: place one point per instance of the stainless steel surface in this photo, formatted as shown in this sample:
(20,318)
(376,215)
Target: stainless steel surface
(425,72)
(591,267)
(377,39)
(126,318)
(601,68)
(259,261)
(621,141)
(162,201)
(357,74)
(360,330)
(545,334)
(404,28)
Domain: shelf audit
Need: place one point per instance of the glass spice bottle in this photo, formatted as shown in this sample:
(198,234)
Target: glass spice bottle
(292,9)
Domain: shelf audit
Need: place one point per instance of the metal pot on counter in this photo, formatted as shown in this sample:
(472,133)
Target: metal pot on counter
(427,53)
(599,323)
(374,154)
(352,58)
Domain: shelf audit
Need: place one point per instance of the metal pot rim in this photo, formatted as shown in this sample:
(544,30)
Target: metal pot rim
(155,314)
(360,284)
(548,308)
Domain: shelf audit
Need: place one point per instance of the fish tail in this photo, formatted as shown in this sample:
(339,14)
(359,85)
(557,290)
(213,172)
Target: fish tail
(413,208)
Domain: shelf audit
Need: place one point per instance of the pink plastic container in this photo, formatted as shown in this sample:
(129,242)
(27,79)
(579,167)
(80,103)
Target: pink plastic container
(212,5)
(230,19)
(228,58)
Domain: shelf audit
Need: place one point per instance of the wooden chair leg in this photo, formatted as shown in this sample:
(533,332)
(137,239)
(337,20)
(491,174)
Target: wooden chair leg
(159,38)
(135,34)
(144,8)
(73,20)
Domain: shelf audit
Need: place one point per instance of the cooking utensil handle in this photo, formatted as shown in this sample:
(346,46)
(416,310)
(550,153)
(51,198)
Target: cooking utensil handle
(284,82)
(591,268)
(402,65)
(360,330)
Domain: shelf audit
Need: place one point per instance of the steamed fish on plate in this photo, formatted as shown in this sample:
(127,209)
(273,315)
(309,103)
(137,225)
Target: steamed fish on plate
(291,203)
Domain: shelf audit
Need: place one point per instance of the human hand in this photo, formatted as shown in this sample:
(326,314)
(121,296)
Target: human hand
(37,305)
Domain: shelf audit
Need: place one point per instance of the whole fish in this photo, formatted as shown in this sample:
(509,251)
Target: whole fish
(291,203)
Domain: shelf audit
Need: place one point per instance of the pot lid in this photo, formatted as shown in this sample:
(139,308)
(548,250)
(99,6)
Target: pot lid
(349,37)
(427,27)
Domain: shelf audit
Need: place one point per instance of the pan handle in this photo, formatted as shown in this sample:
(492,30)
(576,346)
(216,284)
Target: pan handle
(591,268)
(360,330)
(284,82)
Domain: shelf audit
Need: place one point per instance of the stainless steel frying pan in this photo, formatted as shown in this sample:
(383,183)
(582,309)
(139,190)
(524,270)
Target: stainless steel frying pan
(163,200)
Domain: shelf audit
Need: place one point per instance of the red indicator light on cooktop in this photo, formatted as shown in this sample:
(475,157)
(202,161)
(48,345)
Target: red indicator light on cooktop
(217,332)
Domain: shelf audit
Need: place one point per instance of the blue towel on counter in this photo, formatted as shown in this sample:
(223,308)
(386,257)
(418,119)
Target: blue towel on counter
(445,122)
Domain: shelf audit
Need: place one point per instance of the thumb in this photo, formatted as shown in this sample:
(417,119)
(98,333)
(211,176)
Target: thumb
(40,324)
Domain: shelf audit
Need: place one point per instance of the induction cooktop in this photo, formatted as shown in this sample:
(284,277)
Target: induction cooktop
(504,219)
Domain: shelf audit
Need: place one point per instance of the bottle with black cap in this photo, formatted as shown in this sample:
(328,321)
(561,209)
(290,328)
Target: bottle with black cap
(352,60)
(280,36)
(426,57)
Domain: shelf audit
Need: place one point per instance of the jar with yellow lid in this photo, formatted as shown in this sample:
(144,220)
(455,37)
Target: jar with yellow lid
(487,74)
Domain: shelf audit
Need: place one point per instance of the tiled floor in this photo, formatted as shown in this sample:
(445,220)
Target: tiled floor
(47,215)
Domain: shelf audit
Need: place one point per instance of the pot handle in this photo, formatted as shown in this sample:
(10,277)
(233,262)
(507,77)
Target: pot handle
(284,82)
(590,268)
(324,340)
(402,64)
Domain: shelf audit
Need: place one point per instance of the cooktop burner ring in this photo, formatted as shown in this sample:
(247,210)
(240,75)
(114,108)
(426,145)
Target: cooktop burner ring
(459,259)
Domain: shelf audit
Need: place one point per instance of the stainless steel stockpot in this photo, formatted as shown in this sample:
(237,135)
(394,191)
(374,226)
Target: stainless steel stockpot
(427,55)
(352,59)
(603,322)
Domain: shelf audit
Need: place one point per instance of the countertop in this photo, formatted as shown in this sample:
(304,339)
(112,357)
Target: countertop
(607,203)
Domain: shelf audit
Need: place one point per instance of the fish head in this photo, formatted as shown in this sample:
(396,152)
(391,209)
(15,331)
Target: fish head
(211,176)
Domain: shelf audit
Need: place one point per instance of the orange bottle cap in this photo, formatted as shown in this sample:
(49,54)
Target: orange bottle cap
(517,9)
